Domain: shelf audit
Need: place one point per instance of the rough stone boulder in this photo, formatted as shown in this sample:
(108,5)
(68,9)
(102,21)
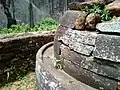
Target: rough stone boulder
(102,1)
(73,18)
(112,26)
(22,13)
(114,8)
(91,21)
(82,5)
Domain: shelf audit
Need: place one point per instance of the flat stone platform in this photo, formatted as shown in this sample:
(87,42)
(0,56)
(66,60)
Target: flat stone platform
(50,78)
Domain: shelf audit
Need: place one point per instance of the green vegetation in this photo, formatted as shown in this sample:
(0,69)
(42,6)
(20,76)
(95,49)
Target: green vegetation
(58,64)
(99,9)
(25,83)
(20,77)
(46,24)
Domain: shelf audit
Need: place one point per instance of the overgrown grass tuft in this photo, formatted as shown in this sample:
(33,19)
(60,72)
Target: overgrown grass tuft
(99,9)
(45,24)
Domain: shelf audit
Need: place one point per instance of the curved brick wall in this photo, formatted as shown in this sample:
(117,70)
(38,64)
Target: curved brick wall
(14,50)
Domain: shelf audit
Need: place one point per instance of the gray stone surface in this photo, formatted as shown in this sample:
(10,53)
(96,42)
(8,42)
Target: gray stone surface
(80,41)
(49,78)
(104,68)
(91,21)
(107,47)
(54,8)
(3,20)
(100,67)
(59,33)
(88,77)
(112,26)
(22,12)
(41,9)
(69,18)
(84,37)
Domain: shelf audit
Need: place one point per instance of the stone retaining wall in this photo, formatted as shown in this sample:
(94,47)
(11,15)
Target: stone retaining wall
(92,57)
(14,51)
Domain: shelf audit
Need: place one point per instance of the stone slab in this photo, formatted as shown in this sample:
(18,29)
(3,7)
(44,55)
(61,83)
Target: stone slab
(100,67)
(107,47)
(80,41)
(109,27)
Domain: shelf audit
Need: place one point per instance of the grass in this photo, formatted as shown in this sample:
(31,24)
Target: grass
(21,77)
(45,24)
(99,9)
(25,83)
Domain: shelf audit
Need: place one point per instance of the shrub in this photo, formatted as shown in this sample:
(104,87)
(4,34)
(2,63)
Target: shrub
(99,9)
(45,24)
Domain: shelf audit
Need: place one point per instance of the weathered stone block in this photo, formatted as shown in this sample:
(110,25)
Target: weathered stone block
(84,37)
(91,21)
(80,41)
(112,26)
(88,77)
(70,17)
(107,47)
(81,48)
(103,68)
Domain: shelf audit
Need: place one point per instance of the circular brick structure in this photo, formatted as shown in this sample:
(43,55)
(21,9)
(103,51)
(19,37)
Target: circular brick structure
(90,57)
(50,78)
